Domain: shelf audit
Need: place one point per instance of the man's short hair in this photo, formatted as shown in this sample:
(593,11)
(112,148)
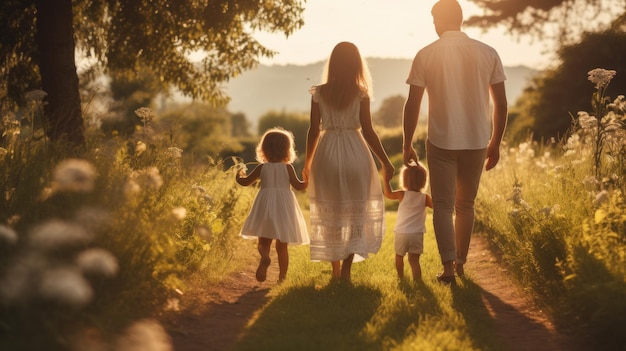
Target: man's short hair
(448,11)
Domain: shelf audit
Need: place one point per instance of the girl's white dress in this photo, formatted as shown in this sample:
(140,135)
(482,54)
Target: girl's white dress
(275,212)
(345,194)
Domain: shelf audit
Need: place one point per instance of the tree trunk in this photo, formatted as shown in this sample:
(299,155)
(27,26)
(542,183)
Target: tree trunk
(57,66)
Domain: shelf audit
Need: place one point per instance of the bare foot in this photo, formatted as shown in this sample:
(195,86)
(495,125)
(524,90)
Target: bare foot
(261,271)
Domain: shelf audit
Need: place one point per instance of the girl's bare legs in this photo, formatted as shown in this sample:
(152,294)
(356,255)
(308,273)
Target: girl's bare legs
(283,259)
(400,266)
(336,265)
(414,262)
(346,266)
(264,247)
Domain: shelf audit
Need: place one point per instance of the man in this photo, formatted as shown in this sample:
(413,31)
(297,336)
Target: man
(460,75)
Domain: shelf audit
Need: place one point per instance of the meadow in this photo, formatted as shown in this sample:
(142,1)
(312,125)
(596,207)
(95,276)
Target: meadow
(99,244)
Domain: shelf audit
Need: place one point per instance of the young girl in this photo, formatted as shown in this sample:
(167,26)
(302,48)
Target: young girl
(410,222)
(346,199)
(275,213)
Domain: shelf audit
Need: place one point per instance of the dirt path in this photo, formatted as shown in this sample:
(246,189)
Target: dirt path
(221,314)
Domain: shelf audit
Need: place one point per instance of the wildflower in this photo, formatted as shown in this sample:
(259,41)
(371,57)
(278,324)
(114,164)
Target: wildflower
(199,189)
(74,175)
(131,187)
(7,235)
(179,213)
(618,104)
(148,177)
(174,152)
(57,234)
(21,277)
(591,182)
(601,77)
(36,95)
(97,262)
(145,114)
(586,121)
(140,147)
(145,334)
(172,305)
(11,125)
(65,285)
(204,232)
(601,198)
(3,152)
(153,178)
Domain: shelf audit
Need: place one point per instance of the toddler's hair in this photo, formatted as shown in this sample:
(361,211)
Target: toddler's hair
(276,145)
(413,177)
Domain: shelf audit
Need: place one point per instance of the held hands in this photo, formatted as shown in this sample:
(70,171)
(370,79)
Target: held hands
(409,155)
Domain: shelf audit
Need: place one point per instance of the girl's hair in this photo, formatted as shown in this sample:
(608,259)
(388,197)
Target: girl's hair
(276,145)
(346,76)
(413,177)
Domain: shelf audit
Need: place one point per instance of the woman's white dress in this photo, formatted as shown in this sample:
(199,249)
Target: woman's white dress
(346,198)
(275,212)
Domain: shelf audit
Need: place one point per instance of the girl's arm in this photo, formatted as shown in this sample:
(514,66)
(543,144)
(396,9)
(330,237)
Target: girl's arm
(373,140)
(293,179)
(429,201)
(244,180)
(391,194)
(311,138)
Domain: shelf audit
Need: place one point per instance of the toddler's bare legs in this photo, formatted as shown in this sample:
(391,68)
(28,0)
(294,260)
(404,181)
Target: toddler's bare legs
(336,265)
(283,259)
(264,247)
(400,266)
(414,262)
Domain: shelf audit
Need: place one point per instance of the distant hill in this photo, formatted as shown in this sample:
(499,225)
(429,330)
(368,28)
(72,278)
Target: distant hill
(285,87)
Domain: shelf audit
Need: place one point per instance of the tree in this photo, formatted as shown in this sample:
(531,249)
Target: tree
(124,35)
(556,95)
(560,20)
(389,114)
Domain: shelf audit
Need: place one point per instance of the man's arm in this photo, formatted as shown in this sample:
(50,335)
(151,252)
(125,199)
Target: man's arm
(500,111)
(409,122)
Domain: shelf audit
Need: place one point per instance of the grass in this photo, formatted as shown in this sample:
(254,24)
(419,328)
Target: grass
(376,311)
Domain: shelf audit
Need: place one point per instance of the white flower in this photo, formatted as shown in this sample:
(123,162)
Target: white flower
(57,234)
(601,77)
(145,114)
(586,121)
(65,285)
(7,235)
(36,95)
(174,152)
(140,147)
(199,189)
(179,213)
(74,175)
(98,262)
(148,177)
(144,335)
(601,198)
(204,232)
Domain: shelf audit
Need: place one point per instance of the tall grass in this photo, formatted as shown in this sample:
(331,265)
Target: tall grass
(558,214)
(95,243)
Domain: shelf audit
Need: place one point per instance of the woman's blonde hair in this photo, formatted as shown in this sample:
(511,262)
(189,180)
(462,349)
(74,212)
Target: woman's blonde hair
(276,145)
(346,76)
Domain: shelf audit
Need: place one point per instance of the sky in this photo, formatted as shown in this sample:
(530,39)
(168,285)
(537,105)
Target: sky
(384,29)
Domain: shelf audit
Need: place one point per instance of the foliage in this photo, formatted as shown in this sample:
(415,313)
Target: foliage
(124,37)
(93,246)
(389,115)
(561,20)
(557,212)
(546,109)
